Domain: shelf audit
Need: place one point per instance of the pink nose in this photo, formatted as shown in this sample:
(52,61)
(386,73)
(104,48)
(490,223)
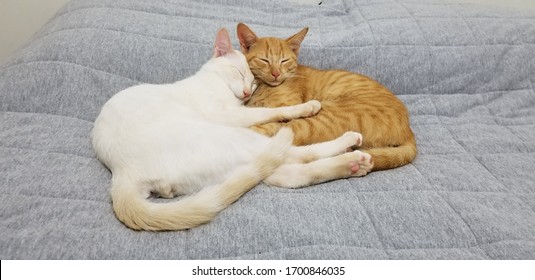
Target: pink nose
(275,74)
(246,93)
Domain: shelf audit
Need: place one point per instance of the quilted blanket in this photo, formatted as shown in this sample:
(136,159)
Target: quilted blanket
(466,73)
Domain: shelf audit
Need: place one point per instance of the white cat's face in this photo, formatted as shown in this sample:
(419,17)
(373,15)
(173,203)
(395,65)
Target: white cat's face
(238,76)
(232,67)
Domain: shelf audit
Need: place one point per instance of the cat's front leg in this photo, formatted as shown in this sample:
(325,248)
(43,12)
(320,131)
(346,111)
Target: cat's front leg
(268,129)
(285,113)
(247,116)
(304,110)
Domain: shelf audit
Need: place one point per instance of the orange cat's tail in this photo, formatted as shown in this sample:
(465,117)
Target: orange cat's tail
(392,157)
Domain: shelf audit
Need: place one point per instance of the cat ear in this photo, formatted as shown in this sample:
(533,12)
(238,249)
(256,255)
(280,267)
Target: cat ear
(246,36)
(295,41)
(222,43)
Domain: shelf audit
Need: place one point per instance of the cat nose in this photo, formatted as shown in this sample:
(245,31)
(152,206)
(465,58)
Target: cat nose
(275,74)
(246,93)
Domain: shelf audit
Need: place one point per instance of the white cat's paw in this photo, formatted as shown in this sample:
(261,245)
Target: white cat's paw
(303,110)
(351,140)
(316,106)
(361,164)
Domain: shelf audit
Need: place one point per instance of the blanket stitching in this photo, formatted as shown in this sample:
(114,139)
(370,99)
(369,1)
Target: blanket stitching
(503,184)
(53,197)
(467,121)
(47,152)
(375,39)
(458,142)
(461,144)
(375,44)
(67,11)
(304,192)
(494,118)
(445,17)
(464,221)
(531,79)
(48,114)
(449,205)
(487,154)
(470,29)
(118,31)
(431,62)
(466,149)
(69,64)
(325,6)
(394,250)
(430,55)
(223,20)
(322,61)
(374,226)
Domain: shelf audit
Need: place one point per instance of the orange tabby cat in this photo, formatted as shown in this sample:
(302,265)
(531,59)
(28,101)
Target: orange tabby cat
(350,102)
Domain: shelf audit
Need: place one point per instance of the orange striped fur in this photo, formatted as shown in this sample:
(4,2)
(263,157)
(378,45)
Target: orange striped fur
(350,102)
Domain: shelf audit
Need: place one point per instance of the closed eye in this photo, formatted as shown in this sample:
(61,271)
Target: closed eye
(285,60)
(264,60)
(243,77)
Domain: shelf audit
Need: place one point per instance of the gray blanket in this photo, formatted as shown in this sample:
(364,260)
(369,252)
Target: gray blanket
(466,73)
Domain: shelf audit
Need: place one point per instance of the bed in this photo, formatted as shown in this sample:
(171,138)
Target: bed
(465,72)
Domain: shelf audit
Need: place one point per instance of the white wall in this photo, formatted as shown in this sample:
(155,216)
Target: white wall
(20,19)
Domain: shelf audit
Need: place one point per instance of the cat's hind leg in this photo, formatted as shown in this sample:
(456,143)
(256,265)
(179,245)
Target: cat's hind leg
(298,175)
(163,189)
(342,144)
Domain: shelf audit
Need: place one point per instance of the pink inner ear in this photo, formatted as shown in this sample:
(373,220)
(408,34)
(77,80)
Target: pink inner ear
(246,36)
(222,43)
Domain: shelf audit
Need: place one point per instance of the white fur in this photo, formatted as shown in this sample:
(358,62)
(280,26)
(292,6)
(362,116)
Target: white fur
(191,138)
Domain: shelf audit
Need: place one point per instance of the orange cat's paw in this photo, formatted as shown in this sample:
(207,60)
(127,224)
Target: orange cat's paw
(361,165)
(315,107)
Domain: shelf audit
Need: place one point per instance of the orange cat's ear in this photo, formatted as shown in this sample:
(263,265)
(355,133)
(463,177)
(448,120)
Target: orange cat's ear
(295,41)
(246,36)
(222,43)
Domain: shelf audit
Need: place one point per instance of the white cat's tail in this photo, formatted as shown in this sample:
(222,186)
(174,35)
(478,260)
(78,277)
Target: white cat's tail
(134,210)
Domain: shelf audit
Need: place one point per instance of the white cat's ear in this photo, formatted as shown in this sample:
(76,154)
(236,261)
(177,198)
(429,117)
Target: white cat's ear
(295,40)
(222,43)
(246,36)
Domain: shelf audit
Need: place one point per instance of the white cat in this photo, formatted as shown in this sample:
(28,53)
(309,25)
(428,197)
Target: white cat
(191,138)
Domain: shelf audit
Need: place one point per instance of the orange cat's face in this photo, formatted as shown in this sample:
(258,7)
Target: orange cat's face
(271,60)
